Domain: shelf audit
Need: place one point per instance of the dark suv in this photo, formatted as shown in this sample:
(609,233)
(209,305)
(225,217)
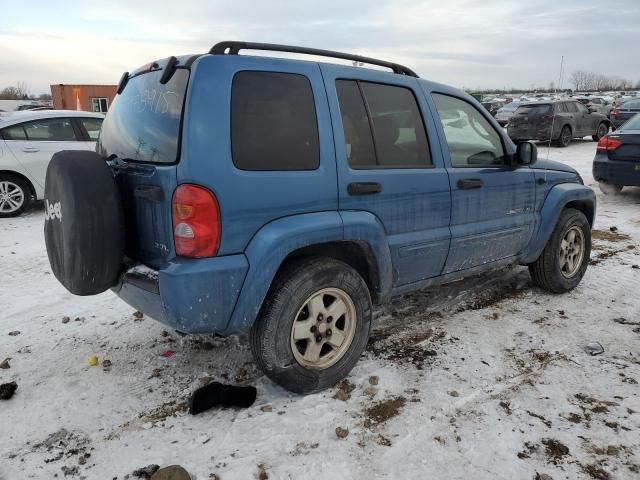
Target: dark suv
(283,198)
(559,120)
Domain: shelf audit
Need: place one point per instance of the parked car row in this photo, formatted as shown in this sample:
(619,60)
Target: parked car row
(559,121)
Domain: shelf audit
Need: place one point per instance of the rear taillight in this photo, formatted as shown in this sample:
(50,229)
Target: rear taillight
(196,222)
(608,144)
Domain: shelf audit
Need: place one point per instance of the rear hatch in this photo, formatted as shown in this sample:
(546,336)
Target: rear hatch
(140,138)
(528,119)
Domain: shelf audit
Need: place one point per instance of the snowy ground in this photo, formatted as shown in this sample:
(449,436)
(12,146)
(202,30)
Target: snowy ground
(486,377)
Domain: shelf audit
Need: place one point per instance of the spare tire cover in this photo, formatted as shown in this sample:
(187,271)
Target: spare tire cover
(84,222)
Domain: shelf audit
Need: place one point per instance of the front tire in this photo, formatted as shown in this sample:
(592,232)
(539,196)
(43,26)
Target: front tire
(565,258)
(15,196)
(603,129)
(313,326)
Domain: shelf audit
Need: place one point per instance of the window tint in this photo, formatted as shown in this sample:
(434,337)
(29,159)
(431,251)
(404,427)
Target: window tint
(92,126)
(472,141)
(52,130)
(562,108)
(535,109)
(14,133)
(273,122)
(399,139)
(355,123)
(144,120)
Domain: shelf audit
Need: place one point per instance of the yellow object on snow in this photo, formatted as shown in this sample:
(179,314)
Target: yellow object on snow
(92,361)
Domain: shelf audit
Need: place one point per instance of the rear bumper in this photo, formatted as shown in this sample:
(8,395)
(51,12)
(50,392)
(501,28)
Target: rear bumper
(192,296)
(616,172)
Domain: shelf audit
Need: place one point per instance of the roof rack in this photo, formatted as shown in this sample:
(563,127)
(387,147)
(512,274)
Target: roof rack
(232,48)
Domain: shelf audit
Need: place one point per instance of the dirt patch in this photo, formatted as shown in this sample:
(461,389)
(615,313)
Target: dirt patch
(383,411)
(490,298)
(540,417)
(164,411)
(344,389)
(609,236)
(64,444)
(595,471)
(606,254)
(554,450)
(406,349)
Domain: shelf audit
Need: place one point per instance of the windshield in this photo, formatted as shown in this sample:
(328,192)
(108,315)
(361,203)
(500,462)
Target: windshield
(143,123)
(534,109)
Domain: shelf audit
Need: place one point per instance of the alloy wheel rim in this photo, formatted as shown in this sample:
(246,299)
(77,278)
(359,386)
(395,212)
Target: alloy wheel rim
(323,329)
(11,197)
(602,131)
(566,136)
(571,252)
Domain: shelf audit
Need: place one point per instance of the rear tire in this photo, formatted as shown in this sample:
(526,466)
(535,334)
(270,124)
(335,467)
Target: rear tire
(565,258)
(15,195)
(609,189)
(297,315)
(565,137)
(603,129)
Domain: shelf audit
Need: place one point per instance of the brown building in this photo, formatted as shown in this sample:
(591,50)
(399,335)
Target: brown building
(89,98)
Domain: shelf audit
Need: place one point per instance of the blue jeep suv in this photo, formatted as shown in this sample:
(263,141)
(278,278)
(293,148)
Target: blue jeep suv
(283,198)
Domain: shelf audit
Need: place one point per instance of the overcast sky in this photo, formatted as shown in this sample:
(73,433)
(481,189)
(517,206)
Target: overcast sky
(465,43)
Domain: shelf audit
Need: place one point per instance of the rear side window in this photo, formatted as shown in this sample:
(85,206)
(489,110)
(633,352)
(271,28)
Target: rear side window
(572,107)
(273,122)
(92,126)
(14,133)
(143,123)
(382,125)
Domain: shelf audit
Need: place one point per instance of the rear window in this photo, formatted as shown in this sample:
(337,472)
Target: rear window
(537,109)
(143,123)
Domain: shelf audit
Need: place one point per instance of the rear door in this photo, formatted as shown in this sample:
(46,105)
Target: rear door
(583,121)
(34,143)
(388,165)
(492,216)
(140,138)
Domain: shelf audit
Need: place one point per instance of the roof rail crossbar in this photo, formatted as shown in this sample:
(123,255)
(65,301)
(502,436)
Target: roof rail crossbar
(232,48)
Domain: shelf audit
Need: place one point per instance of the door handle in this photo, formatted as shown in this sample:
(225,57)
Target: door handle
(469,183)
(364,188)
(30,149)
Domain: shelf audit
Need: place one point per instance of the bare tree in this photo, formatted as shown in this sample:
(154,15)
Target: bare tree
(23,89)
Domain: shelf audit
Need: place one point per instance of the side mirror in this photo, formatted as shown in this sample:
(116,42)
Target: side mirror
(526,153)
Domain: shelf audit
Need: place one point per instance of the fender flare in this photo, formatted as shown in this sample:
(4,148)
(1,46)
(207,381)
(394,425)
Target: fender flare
(557,199)
(275,241)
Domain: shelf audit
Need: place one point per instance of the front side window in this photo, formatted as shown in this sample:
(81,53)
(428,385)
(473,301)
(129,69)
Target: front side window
(472,141)
(273,122)
(100,105)
(382,126)
(52,130)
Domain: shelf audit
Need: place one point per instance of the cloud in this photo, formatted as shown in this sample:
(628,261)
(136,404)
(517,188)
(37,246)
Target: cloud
(469,43)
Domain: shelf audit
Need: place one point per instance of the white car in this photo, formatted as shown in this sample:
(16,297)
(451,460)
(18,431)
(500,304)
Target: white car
(28,140)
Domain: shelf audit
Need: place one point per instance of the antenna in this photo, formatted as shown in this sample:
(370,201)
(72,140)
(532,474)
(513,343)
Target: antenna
(553,118)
